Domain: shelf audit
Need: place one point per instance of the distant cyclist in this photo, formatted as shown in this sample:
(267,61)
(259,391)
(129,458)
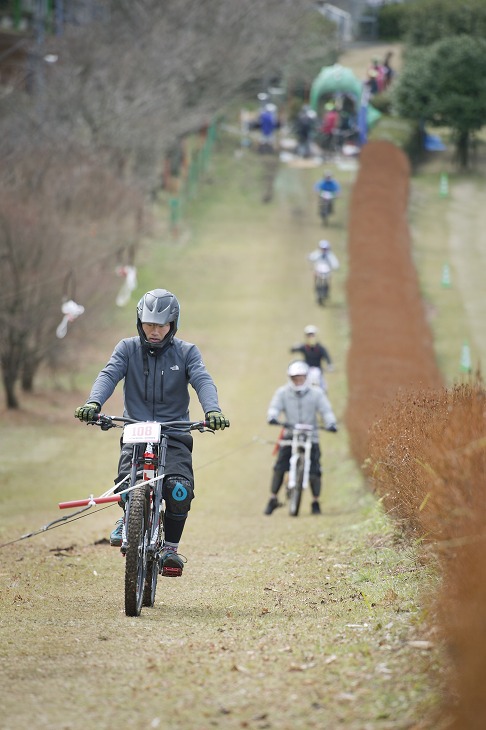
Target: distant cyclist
(328,184)
(299,402)
(324,262)
(315,355)
(324,251)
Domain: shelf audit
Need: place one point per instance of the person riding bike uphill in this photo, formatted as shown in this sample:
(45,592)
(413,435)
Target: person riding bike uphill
(157,368)
(328,184)
(299,402)
(314,354)
(324,262)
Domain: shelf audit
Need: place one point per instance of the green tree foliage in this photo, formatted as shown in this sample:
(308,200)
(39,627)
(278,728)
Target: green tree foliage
(445,86)
(390,21)
(424,22)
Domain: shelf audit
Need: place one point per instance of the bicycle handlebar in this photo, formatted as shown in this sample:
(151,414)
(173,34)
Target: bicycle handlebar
(106,422)
(296,425)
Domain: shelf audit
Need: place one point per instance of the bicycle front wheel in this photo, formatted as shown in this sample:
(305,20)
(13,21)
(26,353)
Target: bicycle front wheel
(152,574)
(295,493)
(138,537)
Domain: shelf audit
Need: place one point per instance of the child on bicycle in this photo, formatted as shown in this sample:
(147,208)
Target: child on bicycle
(299,402)
(314,354)
(157,368)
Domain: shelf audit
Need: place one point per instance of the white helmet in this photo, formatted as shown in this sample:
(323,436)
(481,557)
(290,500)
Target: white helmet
(298,367)
(324,245)
(310,330)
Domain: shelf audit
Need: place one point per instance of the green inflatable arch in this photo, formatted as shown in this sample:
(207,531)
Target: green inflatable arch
(339,79)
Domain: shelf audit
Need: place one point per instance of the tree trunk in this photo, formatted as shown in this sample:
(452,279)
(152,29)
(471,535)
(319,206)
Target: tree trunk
(31,362)
(9,385)
(10,362)
(462,149)
(28,372)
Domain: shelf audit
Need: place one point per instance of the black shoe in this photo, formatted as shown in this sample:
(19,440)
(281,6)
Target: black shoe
(171,563)
(272,504)
(315,509)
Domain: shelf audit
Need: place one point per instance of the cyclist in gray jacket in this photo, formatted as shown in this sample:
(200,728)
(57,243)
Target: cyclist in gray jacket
(299,402)
(157,368)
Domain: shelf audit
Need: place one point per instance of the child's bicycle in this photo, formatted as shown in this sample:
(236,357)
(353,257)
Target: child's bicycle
(300,442)
(143,527)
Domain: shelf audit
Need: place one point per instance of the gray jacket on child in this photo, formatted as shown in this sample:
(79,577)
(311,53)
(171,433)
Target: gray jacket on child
(302,406)
(156,380)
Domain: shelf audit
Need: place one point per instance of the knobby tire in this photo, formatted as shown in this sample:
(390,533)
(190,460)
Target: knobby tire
(322,291)
(150,586)
(138,536)
(296,492)
(325,212)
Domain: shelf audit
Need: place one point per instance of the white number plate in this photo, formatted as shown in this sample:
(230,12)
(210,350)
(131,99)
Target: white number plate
(140,433)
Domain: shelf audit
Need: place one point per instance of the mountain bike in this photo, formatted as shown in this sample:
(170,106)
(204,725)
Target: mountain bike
(143,526)
(300,442)
(322,280)
(326,205)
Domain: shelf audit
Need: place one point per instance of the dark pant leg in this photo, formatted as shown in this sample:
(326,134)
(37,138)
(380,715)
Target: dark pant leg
(281,466)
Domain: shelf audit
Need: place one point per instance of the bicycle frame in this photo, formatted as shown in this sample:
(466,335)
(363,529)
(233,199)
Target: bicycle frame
(152,455)
(300,443)
(298,479)
(142,530)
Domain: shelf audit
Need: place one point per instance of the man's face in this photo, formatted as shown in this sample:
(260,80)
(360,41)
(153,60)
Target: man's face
(155,332)
(298,380)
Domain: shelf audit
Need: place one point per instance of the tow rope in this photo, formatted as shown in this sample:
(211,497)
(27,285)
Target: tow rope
(91,501)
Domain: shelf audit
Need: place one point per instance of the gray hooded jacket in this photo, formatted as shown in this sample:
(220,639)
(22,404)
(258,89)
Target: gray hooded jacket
(156,381)
(302,406)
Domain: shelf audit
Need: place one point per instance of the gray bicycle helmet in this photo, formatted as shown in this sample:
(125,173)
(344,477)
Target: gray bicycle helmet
(158,306)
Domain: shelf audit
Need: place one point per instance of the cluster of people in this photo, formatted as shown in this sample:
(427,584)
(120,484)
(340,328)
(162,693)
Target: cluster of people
(339,123)
(379,74)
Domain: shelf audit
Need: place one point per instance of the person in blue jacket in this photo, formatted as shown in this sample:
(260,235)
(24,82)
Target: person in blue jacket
(328,184)
(157,369)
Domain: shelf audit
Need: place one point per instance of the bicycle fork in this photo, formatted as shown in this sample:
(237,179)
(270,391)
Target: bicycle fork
(297,449)
(149,462)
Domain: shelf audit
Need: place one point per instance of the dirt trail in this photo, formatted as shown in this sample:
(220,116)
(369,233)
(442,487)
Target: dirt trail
(276,623)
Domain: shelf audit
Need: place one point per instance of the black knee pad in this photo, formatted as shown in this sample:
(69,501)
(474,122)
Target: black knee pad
(178,495)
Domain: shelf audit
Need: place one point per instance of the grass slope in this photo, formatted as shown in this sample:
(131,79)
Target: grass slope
(277,622)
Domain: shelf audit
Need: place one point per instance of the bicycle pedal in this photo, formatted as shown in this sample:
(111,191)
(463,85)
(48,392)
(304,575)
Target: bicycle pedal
(171,572)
